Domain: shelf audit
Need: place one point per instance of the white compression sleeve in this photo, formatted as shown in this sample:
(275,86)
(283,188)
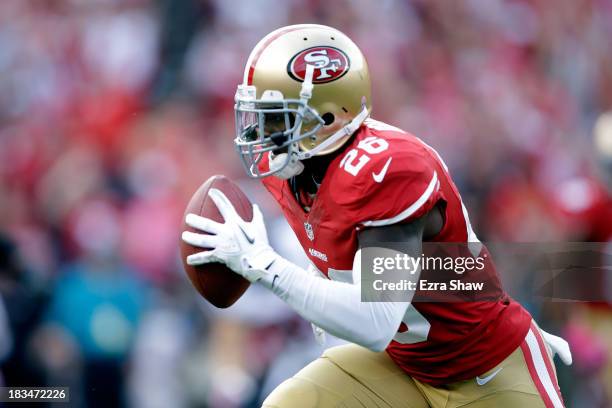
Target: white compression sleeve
(336,307)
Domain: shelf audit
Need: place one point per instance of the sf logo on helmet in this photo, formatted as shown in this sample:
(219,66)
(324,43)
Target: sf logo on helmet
(330,64)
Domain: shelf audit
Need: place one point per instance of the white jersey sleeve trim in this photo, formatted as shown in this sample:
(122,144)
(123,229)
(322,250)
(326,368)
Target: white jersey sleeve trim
(433,186)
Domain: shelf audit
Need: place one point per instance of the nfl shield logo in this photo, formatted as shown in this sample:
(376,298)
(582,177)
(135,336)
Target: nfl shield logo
(309,231)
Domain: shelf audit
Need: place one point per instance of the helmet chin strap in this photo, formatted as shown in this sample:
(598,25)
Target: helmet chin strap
(292,166)
(347,130)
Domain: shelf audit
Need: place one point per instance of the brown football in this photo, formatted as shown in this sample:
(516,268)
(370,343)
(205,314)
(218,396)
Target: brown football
(215,281)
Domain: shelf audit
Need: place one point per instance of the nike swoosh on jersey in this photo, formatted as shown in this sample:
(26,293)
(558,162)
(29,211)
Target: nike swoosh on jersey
(380,176)
(484,380)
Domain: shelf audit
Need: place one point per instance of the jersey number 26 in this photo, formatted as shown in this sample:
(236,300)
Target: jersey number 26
(355,159)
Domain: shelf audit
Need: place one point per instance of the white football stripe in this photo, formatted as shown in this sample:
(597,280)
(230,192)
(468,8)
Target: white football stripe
(410,210)
(540,366)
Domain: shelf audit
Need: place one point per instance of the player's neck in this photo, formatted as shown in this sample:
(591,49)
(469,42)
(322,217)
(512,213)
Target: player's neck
(306,185)
(317,166)
(312,177)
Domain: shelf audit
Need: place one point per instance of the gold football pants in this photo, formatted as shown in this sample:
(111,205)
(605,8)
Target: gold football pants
(352,376)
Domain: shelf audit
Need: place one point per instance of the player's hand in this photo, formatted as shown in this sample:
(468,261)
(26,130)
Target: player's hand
(558,346)
(241,245)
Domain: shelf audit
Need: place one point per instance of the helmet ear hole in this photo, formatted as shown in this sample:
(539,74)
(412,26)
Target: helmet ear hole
(328,118)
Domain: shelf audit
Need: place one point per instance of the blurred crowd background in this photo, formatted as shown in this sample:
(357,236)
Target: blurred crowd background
(112,112)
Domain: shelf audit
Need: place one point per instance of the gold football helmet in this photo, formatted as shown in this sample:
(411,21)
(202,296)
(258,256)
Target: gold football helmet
(306,89)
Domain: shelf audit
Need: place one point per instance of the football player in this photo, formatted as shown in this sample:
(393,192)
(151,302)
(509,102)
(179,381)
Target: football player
(341,178)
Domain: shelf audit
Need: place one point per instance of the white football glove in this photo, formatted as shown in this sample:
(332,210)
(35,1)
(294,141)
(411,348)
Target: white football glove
(558,347)
(241,245)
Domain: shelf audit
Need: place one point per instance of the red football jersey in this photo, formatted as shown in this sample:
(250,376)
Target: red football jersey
(387,176)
